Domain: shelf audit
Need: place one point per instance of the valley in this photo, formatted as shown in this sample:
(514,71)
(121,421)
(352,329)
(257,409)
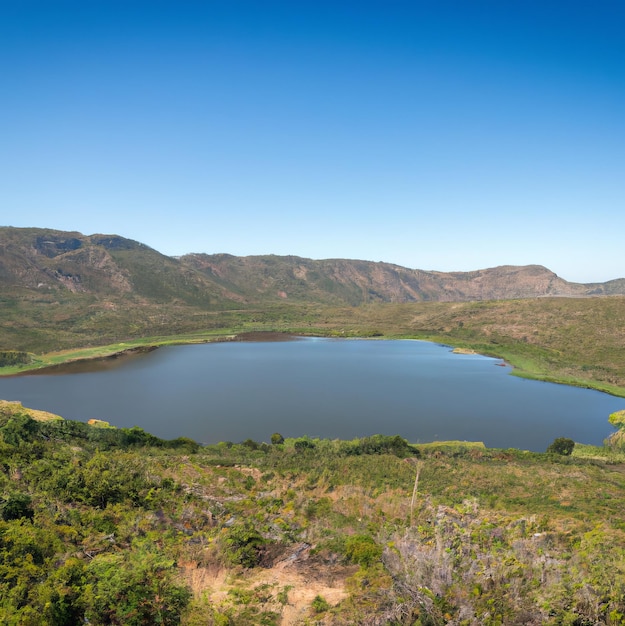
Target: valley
(118,526)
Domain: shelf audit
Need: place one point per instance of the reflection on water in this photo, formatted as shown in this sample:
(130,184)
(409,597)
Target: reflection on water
(325,388)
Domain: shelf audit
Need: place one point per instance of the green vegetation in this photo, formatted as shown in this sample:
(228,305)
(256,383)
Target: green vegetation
(319,605)
(277,439)
(562,445)
(116,526)
(13,357)
(617,419)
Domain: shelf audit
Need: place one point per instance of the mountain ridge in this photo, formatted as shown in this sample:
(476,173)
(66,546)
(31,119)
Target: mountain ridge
(355,282)
(104,265)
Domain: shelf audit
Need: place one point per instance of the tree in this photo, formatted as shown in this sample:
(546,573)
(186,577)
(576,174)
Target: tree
(18,505)
(562,445)
(277,439)
(133,589)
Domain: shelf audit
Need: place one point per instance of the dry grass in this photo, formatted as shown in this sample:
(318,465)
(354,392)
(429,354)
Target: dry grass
(16,408)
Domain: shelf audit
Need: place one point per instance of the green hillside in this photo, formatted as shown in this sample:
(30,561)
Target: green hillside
(115,526)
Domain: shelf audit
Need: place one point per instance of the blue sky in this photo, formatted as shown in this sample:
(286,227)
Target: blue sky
(435,135)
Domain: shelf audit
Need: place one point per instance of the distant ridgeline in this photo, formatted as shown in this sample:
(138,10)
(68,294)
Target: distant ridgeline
(13,357)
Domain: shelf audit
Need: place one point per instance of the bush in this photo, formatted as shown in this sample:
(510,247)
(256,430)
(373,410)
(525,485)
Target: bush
(277,439)
(244,545)
(617,419)
(133,589)
(319,604)
(380,444)
(304,444)
(17,506)
(362,550)
(561,445)
(13,357)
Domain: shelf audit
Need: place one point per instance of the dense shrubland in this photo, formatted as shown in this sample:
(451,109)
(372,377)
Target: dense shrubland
(115,526)
(13,357)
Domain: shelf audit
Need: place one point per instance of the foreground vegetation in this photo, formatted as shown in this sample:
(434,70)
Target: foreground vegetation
(115,526)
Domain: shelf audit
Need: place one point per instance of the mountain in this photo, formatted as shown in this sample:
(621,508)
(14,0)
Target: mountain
(115,269)
(51,261)
(342,281)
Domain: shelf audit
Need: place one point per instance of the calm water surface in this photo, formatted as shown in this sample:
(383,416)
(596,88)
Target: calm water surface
(325,388)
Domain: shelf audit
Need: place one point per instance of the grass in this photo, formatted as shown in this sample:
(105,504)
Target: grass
(61,357)
(8,408)
(449,446)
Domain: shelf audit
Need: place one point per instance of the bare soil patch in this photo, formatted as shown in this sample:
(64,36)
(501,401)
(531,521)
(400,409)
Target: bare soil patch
(299,575)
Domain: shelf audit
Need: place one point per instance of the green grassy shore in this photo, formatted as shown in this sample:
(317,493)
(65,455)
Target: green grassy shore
(527,362)
(574,341)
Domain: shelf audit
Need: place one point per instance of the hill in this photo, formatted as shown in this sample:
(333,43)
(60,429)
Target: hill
(115,526)
(113,268)
(64,289)
(352,282)
(109,266)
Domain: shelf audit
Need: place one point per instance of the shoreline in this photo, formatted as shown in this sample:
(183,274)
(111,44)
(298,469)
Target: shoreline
(65,367)
(99,361)
(75,364)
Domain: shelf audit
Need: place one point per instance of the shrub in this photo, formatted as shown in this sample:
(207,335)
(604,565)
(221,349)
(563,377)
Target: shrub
(133,589)
(304,444)
(13,357)
(277,439)
(362,550)
(17,506)
(617,419)
(380,444)
(562,445)
(319,604)
(243,545)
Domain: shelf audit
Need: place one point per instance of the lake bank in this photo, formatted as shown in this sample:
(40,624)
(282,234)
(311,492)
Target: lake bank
(78,360)
(96,358)
(319,387)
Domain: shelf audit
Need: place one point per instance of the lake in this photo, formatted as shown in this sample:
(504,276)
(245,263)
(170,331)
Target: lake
(330,388)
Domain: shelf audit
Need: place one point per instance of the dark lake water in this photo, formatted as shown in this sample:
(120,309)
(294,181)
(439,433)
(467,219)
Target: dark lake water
(322,388)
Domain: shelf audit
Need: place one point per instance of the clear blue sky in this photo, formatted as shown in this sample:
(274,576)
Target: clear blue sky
(435,135)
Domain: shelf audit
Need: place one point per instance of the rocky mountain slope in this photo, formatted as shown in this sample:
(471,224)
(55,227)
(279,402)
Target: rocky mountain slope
(357,282)
(105,265)
(113,267)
